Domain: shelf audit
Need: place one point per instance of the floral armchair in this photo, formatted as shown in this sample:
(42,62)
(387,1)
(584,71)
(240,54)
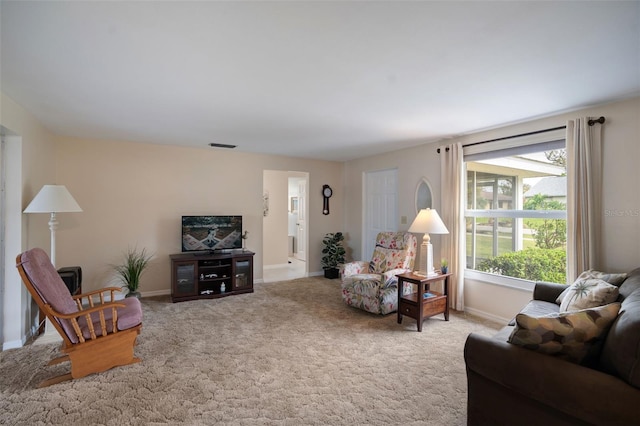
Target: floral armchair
(373,286)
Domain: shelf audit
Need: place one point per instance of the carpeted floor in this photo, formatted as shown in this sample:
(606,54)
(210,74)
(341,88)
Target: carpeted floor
(289,354)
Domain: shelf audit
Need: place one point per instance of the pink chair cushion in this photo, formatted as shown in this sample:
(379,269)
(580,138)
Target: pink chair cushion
(128,317)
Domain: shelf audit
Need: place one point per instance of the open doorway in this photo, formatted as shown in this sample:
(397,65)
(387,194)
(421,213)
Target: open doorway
(285,225)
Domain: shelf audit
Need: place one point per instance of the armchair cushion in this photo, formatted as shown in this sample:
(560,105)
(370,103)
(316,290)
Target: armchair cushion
(393,251)
(389,278)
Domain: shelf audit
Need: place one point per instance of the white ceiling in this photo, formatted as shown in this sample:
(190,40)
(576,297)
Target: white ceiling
(329,80)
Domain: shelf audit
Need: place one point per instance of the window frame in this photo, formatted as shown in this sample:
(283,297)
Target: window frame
(501,148)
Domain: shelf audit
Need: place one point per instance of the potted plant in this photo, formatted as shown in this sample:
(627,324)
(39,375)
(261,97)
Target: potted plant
(444,266)
(129,271)
(333,254)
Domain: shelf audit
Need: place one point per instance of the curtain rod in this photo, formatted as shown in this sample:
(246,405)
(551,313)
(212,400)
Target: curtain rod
(590,123)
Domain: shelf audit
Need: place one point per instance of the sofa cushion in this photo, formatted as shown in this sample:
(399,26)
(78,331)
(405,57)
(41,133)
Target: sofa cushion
(621,350)
(575,336)
(614,279)
(537,308)
(588,293)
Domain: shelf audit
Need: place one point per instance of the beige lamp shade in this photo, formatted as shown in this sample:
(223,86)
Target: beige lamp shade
(53,199)
(428,222)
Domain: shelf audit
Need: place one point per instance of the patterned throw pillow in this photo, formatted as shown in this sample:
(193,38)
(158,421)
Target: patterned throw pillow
(575,336)
(588,293)
(615,279)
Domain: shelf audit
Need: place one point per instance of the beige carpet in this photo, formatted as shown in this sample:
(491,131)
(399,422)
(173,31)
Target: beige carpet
(289,354)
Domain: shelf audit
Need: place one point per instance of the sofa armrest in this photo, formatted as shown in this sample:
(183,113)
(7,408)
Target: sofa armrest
(547,292)
(580,392)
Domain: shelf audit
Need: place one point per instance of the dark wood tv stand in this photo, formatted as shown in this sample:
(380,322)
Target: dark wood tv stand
(211,275)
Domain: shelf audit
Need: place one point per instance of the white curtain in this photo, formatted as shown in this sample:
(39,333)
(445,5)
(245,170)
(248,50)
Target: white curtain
(453,245)
(584,196)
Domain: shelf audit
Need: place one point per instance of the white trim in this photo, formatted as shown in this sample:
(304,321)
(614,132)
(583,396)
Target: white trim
(13,344)
(486,315)
(155,293)
(524,214)
(499,280)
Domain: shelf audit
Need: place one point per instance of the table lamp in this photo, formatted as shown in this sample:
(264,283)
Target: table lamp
(428,222)
(53,199)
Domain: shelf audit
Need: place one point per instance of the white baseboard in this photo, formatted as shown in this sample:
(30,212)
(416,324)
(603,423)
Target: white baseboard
(156,293)
(13,344)
(487,315)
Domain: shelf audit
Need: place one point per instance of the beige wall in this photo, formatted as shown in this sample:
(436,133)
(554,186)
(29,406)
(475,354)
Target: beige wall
(620,228)
(30,165)
(135,194)
(275,233)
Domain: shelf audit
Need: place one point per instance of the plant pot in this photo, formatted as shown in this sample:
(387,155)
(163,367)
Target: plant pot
(331,273)
(135,294)
(444,269)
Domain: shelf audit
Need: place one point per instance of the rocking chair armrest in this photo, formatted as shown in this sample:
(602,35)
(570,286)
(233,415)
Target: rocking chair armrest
(78,298)
(82,312)
(93,292)
(87,311)
(73,318)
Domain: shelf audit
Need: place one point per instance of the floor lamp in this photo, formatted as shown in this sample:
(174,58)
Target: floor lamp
(52,199)
(427,222)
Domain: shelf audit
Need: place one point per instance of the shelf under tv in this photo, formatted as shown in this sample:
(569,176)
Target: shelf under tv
(198,275)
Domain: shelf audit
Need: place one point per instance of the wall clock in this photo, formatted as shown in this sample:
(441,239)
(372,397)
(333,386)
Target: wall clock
(327,192)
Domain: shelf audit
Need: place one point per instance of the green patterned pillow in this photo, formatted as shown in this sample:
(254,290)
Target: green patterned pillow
(575,336)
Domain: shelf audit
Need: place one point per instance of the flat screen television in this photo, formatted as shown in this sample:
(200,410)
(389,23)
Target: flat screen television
(211,233)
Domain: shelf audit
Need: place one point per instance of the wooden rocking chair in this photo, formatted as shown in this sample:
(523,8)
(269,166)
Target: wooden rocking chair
(96,335)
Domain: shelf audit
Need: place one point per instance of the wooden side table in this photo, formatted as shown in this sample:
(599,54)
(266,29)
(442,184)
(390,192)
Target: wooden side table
(416,305)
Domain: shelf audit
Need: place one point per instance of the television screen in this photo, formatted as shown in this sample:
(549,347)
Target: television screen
(211,233)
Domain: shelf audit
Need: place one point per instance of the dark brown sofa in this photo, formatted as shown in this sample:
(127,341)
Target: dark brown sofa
(512,385)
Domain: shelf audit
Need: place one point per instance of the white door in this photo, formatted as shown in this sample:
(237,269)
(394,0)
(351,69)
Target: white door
(381,207)
(301,227)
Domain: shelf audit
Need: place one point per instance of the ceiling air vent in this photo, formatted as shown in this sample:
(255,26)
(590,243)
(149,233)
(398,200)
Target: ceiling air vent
(221,145)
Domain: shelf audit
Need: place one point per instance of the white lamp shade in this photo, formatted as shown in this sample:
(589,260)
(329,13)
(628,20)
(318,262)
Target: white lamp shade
(53,199)
(428,222)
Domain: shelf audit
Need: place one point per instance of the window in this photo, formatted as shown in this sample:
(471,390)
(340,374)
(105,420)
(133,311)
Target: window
(516,211)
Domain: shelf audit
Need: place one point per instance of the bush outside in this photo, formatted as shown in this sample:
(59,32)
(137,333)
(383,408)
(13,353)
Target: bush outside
(534,264)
